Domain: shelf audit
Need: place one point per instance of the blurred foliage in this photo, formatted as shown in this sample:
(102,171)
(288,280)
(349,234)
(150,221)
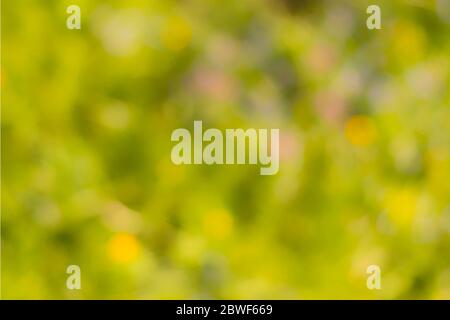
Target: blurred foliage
(365,149)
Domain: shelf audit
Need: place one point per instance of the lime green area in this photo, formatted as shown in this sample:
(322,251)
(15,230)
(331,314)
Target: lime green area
(87,179)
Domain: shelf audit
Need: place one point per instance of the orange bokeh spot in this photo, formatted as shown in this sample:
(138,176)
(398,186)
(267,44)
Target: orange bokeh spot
(360,130)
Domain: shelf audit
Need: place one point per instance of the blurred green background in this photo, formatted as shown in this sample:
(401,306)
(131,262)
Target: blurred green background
(87,179)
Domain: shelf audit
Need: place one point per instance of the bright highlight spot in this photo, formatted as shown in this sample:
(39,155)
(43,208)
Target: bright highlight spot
(124,248)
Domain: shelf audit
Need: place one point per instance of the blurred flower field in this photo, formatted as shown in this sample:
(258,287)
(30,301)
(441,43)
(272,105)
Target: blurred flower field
(364,179)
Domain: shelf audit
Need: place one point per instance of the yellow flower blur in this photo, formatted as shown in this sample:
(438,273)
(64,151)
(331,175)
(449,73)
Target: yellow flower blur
(124,248)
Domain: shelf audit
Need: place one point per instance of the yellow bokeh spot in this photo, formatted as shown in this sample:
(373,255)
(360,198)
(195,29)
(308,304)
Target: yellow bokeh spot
(218,224)
(401,206)
(407,42)
(176,34)
(124,248)
(360,130)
